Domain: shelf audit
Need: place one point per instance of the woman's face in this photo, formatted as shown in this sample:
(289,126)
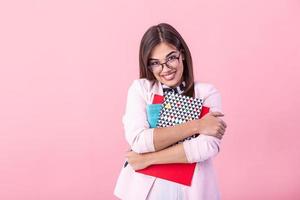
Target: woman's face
(162,53)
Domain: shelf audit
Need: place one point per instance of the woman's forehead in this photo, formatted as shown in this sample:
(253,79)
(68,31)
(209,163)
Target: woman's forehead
(162,50)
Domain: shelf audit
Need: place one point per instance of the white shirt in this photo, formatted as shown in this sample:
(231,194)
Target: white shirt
(164,190)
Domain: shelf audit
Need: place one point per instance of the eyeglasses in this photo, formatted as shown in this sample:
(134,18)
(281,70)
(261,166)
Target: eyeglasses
(171,62)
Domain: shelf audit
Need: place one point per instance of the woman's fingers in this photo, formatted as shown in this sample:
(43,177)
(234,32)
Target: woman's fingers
(222,122)
(219,136)
(222,130)
(217,114)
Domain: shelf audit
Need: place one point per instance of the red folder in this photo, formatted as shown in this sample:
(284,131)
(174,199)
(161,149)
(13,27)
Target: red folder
(177,172)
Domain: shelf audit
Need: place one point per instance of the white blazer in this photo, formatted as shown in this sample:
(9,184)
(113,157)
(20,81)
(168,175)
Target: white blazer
(136,186)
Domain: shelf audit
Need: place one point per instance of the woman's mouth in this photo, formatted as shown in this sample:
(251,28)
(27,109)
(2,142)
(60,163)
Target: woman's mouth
(169,76)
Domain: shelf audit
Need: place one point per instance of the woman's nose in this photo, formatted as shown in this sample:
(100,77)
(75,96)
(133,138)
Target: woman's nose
(165,68)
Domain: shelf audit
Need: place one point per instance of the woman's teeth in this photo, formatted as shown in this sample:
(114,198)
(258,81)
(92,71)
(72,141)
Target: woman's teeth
(169,76)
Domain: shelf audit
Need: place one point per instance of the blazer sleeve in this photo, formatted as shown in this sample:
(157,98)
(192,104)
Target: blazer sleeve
(205,146)
(138,133)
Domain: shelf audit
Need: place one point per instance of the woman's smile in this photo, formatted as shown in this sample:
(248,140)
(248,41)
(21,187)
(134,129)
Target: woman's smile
(169,76)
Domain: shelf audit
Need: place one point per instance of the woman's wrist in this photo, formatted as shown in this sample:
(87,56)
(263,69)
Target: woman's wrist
(194,126)
(188,129)
(172,154)
(150,158)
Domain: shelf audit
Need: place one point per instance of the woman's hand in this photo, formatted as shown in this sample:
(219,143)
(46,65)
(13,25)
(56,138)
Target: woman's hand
(210,124)
(138,161)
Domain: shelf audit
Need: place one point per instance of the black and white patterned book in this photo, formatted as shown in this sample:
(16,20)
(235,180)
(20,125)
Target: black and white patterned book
(178,108)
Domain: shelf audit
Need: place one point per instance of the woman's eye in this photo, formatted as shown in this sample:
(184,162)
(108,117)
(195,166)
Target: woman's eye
(153,63)
(172,58)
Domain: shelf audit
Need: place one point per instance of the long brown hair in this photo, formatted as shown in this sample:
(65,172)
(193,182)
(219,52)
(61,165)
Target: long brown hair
(164,32)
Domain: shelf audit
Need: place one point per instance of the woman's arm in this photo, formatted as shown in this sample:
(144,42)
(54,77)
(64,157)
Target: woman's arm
(194,150)
(166,136)
(205,145)
(173,154)
(205,148)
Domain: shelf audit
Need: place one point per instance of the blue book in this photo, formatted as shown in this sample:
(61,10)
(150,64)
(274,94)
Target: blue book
(153,113)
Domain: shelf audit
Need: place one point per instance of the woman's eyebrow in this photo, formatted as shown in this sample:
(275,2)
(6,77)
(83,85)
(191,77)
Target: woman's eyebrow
(165,56)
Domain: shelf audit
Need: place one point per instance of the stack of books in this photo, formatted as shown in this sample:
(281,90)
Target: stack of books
(170,110)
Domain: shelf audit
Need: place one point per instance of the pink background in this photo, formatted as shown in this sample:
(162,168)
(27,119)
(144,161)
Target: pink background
(65,67)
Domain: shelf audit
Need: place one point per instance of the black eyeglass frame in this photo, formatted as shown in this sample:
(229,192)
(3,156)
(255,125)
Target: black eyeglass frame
(164,63)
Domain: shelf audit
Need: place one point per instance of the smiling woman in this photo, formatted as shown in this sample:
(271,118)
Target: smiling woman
(164,42)
(166,64)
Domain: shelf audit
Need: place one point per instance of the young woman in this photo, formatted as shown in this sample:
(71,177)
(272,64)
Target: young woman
(166,64)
